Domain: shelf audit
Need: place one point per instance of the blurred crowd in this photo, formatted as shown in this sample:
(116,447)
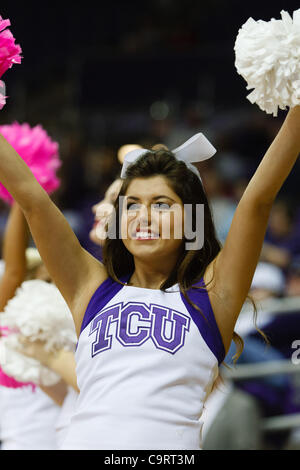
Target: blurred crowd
(241,136)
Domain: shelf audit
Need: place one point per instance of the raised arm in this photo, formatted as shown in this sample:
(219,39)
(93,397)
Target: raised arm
(13,253)
(74,271)
(234,267)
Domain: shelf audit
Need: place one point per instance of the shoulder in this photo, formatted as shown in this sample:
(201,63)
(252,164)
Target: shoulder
(198,304)
(82,299)
(100,291)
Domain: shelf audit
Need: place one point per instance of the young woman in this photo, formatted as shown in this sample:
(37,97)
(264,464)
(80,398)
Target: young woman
(27,417)
(149,343)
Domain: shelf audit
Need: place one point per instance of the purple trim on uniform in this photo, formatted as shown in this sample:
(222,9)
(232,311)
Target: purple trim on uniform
(103,294)
(205,322)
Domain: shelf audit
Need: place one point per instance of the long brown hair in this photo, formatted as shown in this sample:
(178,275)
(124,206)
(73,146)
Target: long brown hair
(191,264)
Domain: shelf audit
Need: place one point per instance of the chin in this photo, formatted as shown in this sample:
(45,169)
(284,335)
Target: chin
(150,252)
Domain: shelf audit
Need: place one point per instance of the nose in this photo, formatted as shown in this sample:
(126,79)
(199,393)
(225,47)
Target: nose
(144,216)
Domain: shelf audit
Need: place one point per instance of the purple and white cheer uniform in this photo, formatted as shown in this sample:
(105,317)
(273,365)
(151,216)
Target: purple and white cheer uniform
(146,362)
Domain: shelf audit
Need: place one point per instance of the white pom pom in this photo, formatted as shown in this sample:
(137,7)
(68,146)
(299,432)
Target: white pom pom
(39,312)
(268,58)
(23,368)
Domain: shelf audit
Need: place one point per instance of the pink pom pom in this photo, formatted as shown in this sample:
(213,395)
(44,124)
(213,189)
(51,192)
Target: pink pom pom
(10,382)
(9,51)
(38,151)
(6,380)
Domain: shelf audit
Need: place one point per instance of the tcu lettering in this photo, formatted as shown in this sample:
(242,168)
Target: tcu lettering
(136,323)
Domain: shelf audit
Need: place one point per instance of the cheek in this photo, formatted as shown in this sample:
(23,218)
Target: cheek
(124,225)
(172,223)
(128,224)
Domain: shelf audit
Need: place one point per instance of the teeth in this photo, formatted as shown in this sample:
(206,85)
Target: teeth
(145,235)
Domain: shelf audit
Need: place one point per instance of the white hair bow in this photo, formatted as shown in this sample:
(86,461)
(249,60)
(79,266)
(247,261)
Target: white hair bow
(196,149)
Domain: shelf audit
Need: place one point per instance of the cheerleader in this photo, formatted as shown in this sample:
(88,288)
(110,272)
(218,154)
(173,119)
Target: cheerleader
(27,416)
(61,362)
(156,318)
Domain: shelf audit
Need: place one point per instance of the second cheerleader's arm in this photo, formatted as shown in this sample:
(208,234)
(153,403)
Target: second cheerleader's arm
(13,254)
(57,392)
(62,361)
(233,269)
(75,272)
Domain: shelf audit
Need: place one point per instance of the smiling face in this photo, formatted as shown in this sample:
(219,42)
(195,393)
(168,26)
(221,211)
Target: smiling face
(135,242)
(152,220)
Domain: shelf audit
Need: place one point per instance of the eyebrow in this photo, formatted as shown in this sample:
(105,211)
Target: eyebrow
(154,198)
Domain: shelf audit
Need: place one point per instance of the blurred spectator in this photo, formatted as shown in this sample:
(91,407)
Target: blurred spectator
(102,210)
(222,206)
(282,241)
(293,278)
(231,420)
(273,394)
(268,282)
